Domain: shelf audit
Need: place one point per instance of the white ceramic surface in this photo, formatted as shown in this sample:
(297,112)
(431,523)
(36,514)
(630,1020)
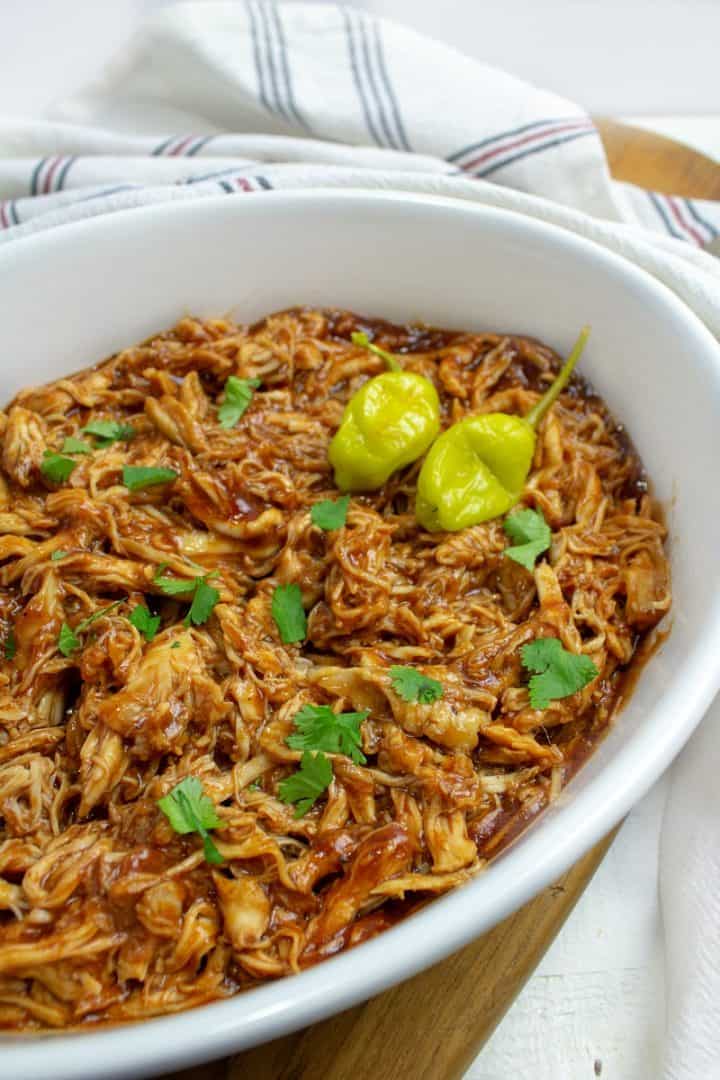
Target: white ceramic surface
(72,295)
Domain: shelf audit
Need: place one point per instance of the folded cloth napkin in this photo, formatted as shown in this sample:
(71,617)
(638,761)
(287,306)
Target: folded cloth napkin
(242,98)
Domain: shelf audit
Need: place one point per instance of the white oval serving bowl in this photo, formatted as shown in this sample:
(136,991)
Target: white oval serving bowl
(74,294)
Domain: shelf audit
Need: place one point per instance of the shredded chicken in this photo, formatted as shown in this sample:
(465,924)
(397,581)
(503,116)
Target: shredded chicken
(108,914)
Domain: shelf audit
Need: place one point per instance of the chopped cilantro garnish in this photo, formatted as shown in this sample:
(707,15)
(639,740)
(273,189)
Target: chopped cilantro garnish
(55,467)
(75,446)
(173,586)
(58,554)
(319,728)
(10,646)
(238,395)
(137,477)
(143,621)
(106,432)
(204,600)
(558,673)
(288,613)
(204,596)
(330,513)
(412,685)
(306,785)
(68,640)
(189,809)
(531,533)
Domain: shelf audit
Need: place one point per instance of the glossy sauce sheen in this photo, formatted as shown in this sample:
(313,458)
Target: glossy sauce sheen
(107,914)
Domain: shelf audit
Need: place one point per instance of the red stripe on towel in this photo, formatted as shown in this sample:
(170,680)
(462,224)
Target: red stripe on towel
(682,222)
(534,137)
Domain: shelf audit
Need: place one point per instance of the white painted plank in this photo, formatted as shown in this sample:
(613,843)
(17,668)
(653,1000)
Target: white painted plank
(598,994)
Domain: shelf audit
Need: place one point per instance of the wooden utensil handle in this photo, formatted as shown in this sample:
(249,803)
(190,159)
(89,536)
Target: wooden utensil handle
(659,164)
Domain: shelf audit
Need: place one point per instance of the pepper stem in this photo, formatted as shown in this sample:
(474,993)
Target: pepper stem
(561,380)
(363,340)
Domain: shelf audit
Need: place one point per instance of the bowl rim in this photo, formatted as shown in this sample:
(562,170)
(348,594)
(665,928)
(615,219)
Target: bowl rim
(272,1010)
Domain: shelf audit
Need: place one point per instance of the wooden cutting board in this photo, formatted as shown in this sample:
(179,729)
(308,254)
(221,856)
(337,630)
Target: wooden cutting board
(432,1026)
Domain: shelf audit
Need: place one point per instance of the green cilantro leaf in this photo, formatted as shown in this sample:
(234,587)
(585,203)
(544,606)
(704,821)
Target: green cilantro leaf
(359,338)
(189,809)
(75,446)
(143,621)
(175,645)
(204,596)
(10,646)
(55,467)
(137,477)
(211,853)
(559,673)
(106,432)
(187,806)
(238,395)
(58,554)
(330,513)
(288,613)
(531,533)
(173,586)
(204,600)
(412,685)
(319,728)
(68,641)
(306,785)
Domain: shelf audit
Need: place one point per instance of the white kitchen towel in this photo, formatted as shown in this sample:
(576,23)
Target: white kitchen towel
(241,98)
(247,96)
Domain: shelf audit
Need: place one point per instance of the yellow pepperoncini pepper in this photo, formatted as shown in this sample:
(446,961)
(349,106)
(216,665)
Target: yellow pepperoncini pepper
(387,424)
(476,470)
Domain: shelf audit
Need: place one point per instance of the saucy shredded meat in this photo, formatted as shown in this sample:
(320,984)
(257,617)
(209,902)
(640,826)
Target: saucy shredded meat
(106,912)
